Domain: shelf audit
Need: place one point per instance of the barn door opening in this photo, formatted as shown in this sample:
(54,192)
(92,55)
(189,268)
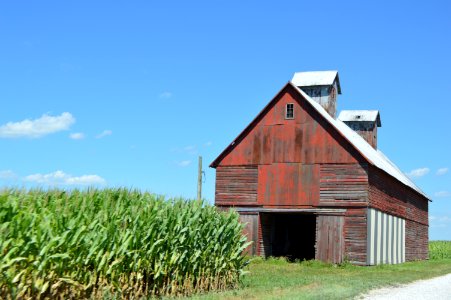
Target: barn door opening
(289,235)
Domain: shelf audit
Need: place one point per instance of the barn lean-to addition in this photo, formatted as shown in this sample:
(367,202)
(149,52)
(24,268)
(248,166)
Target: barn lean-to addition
(309,185)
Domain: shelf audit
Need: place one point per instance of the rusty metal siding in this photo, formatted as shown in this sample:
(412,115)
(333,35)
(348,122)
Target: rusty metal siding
(250,230)
(236,185)
(307,139)
(330,238)
(288,184)
(345,184)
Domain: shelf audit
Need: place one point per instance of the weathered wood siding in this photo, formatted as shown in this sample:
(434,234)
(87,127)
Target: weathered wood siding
(330,238)
(392,197)
(417,242)
(344,184)
(236,185)
(355,233)
(367,130)
(250,230)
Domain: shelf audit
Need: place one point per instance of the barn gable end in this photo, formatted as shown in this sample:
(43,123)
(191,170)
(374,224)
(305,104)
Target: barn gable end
(288,153)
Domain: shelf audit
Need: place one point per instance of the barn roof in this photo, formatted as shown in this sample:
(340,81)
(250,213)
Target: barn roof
(360,115)
(316,78)
(373,156)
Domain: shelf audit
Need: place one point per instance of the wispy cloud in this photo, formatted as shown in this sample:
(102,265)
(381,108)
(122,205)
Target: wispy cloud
(77,136)
(418,172)
(442,171)
(165,95)
(183,163)
(104,133)
(208,144)
(37,128)
(443,194)
(7,174)
(190,149)
(61,178)
(439,221)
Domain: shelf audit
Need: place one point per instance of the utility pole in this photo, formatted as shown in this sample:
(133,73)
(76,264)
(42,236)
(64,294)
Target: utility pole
(199,180)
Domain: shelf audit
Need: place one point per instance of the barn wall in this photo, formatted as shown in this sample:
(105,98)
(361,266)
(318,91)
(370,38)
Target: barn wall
(416,241)
(307,139)
(386,238)
(355,234)
(330,242)
(250,230)
(343,184)
(288,184)
(389,196)
(236,185)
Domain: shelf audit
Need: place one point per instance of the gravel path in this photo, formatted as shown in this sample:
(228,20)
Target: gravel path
(436,288)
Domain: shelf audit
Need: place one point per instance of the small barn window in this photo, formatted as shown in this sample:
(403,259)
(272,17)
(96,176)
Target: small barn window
(289,111)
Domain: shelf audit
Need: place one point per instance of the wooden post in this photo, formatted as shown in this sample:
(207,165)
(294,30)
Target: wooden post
(199,180)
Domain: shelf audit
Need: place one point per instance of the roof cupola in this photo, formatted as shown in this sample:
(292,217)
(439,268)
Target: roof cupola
(321,86)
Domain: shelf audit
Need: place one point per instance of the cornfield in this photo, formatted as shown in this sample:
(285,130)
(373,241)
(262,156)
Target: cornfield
(114,242)
(440,250)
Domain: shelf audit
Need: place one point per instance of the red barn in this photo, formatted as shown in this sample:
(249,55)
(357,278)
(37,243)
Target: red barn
(311,186)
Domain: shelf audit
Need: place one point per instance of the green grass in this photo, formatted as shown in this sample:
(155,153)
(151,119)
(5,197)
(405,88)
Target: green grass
(125,243)
(279,279)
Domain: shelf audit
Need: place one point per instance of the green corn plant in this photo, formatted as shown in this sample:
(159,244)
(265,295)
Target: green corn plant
(440,250)
(114,242)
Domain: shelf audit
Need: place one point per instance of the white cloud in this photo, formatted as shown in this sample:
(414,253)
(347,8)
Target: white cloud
(442,171)
(7,174)
(85,180)
(77,136)
(104,133)
(165,95)
(439,221)
(190,150)
(38,127)
(184,163)
(61,178)
(418,172)
(442,194)
(208,144)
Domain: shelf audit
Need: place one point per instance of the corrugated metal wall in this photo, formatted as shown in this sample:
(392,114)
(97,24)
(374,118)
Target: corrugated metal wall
(386,238)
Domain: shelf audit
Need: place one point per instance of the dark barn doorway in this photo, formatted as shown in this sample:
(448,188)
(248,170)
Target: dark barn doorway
(290,235)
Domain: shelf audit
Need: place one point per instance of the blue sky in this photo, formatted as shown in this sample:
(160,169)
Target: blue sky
(130,93)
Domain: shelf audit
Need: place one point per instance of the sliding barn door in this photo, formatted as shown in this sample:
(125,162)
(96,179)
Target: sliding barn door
(329,239)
